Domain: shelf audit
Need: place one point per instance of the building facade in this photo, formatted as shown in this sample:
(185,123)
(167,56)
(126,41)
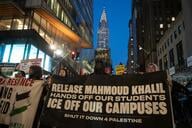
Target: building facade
(153,18)
(32,26)
(187,17)
(171,51)
(102,52)
(131,52)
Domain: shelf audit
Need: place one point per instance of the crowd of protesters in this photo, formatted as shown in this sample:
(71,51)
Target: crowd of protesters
(181,95)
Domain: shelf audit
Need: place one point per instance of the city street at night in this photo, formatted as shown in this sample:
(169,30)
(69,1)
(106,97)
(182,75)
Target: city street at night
(95,64)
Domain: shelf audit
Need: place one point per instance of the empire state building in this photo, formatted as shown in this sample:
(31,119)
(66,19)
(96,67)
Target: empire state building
(103,50)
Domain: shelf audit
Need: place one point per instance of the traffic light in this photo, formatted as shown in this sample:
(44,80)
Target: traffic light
(73,55)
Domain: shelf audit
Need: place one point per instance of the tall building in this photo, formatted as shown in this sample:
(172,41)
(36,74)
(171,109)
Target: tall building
(174,48)
(152,18)
(173,55)
(32,26)
(135,56)
(103,50)
(131,51)
(187,16)
(103,32)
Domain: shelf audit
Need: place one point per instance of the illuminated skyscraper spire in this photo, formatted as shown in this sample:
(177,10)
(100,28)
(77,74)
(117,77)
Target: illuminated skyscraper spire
(103,32)
(103,16)
(103,50)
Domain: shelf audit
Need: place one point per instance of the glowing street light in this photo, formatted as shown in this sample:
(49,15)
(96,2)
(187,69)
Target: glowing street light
(173,18)
(141,48)
(73,53)
(131,38)
(58,52)
(52,46)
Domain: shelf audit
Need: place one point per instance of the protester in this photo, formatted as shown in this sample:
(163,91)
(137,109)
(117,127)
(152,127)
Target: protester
(151,67)
(35,72)
(20,74)
(62,72)
(181,101)
(99,67)
(49,79)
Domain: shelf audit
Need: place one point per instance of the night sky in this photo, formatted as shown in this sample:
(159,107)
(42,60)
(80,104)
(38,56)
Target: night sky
(118,15)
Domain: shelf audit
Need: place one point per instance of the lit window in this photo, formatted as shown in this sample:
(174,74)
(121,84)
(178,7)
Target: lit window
(41,56)
(62,16)
(5,24)
(33,52)
(55,6)
(161,25)
(16,48)
(37,17)
(26,52)
(173,19)
(131,52)
(1,51)
(52,3)
(131,38)
(41,32)
(47,63)
(168,25)
(17,24)
(35,26)
(69,23)
(43,23)
(26,24)
(48,39)
(6,53)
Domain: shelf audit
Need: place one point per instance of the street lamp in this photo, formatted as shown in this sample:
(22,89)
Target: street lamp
(131,38)
(58,52)
(173,19)
(53,47)
(58,55)
(145,51)
(140,48)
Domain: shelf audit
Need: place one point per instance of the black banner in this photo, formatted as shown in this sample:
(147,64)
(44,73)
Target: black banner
(102,101)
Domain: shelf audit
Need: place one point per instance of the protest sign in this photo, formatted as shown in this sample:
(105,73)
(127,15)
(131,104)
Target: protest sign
(25,64)
(120,69)
(19,99)
(104,101)
(7,69)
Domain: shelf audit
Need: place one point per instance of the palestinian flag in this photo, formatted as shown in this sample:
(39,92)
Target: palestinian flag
(21,103)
